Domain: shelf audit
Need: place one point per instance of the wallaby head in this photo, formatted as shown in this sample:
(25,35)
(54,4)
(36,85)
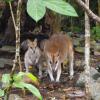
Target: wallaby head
(32,45)
(53,60)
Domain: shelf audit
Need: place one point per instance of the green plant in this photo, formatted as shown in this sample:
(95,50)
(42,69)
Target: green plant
(95,32)
(37,8)
(17,82)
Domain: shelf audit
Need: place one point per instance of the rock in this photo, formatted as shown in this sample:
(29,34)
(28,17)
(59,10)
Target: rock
(15,97)
(97,53)
(4,61)
(79,63)
(95,83)
(94,74)
(8,49)
(98,41)
(76,41)
(79,49)
(97,49)
(95,90)
(97,46)
(92,43)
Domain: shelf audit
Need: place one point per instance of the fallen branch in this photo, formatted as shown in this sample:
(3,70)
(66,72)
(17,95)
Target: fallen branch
(89,12)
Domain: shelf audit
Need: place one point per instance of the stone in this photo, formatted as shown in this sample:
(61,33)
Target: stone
(97,53)
(8,49)
(76,41)
(95,83)
(15,97)
(97,46)
(95,90)
(4,61)
(79,49)
(92,42)
(94,75)
(79,63)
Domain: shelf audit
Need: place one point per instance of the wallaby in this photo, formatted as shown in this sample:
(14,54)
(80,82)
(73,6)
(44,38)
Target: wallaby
(57,49)
(32,56)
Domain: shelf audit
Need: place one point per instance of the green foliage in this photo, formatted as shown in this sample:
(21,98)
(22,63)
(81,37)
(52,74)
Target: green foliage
(8,1)
(6,79)
(17,81)
(1,92)
(37,8)
(33,89)
(77,29)
(60,7)
(95,32)
(18,85)
(32,77)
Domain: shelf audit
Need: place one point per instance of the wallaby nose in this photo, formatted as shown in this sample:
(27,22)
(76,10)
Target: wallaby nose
(53,67)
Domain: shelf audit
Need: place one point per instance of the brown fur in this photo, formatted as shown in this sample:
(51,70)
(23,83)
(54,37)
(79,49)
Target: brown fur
(57,49)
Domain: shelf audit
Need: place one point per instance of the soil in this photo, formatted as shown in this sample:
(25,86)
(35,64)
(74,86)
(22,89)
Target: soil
(64,90)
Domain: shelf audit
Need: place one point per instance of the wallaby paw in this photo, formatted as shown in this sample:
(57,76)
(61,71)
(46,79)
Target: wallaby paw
(57,80)
(40,76)
(52,80)
(71,77)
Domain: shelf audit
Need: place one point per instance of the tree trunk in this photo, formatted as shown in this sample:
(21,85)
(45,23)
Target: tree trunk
(98,24)
(87,54)
(17,32)
(53,20)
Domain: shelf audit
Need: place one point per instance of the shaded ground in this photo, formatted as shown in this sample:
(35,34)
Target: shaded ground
(65,90)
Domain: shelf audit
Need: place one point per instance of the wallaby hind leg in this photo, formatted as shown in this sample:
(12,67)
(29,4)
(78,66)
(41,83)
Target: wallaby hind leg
(40,71)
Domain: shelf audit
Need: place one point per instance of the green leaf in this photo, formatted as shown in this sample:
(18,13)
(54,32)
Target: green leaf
(6,79)
(1,93)
(36,9)
(60,7)
(18,77)
(8,1)
(33,89)
(32,77)
(18,85)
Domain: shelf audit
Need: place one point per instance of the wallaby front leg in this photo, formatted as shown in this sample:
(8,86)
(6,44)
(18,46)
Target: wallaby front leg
(27,67)
(50,74)
(40,71)
(58,73)
(71,66)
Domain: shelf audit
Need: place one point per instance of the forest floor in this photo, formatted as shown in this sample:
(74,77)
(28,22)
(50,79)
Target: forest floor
(65,90)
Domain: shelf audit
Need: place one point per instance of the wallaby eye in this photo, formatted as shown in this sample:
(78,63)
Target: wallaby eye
(50,62)
(56,62)
(31,47)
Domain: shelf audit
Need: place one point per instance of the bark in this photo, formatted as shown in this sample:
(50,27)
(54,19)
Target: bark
(87,54)
(17,56)
(99,7)
(17,32)
(53,20)
(89,12)
(98,24)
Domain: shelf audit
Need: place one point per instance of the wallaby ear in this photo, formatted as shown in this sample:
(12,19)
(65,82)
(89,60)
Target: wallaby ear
(29,42)
(35,42)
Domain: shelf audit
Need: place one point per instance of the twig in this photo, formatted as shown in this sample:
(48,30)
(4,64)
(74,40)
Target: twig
(89,12)
(12,15)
